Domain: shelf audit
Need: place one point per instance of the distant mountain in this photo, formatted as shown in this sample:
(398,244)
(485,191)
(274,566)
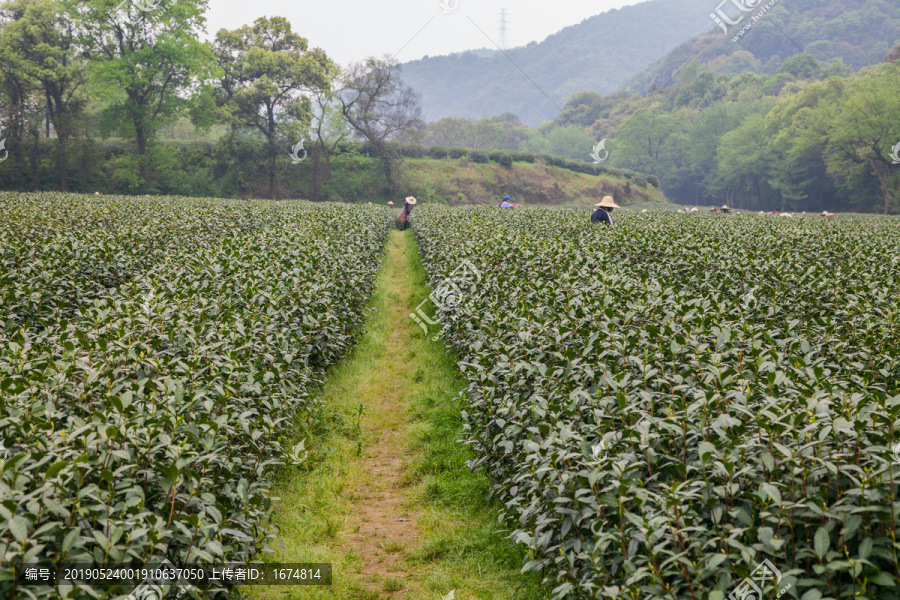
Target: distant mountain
(859,32)
(598,54)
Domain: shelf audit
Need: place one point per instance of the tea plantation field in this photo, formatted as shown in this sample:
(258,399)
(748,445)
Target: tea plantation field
(663,406)
(154,357)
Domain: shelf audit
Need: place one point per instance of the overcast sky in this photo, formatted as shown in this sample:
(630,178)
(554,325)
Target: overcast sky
(350,31)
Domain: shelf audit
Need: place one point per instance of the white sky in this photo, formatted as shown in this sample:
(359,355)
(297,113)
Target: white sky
(351,31)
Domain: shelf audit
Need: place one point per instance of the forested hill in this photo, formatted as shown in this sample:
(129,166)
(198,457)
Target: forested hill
(598,54)
(858,32)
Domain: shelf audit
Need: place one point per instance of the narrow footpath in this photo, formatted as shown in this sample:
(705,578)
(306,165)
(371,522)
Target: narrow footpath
(384,495)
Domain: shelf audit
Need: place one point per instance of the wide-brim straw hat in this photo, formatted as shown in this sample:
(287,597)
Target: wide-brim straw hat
(725,207)
(391,203)
(411,201)
(785,215)
(607,202)
(695,209)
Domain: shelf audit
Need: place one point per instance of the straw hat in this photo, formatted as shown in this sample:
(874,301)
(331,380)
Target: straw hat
(645,210)
(725,207)
(391,203)
(785,215)
(411,201)
(607,202)
(695,210)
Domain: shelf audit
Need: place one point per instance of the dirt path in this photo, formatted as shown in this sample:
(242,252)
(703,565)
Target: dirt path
(385,524)
(386,498)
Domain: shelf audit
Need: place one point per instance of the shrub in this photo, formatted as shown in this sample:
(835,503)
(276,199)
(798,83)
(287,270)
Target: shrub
(183,339)
(720,396)
(501,157)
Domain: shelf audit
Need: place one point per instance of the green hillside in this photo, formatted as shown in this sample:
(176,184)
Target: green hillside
(464,182)
(856,32)
(798,140)
(597,54)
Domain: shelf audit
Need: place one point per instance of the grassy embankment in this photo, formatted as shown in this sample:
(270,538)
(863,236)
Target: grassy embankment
(465,182)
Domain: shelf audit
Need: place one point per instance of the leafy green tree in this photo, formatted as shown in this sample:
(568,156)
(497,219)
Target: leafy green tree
(743,162)
(862,129)
(582,108)
(798,146)
(39,41)
(148,60)
(572,142)
(801,66)
(18,108)
(704,141)
(267,70)
(645,142)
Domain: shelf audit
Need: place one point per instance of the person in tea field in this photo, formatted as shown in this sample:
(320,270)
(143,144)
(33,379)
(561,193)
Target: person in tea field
(725,209)
(391,204)
(507,203)
(403,219)
(602,214)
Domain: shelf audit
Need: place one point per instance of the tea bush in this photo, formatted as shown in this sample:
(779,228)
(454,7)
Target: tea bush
(154,354)
(664,405)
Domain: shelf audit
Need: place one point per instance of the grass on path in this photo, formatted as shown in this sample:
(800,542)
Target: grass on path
(384,495)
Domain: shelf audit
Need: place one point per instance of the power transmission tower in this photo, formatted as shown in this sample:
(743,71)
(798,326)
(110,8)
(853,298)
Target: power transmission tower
(504,30)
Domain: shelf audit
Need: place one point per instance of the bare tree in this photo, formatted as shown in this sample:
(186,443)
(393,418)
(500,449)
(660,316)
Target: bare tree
(378,107)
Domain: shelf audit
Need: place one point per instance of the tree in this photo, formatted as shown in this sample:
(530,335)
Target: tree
(329,128)
(449,131)
(582,108)
(267,69)
(18,111)
(798,140)
(894,55)
(571,142)
(743,162)
(149,60)
(862,129)
(378,106)
(645,142)
(40,43)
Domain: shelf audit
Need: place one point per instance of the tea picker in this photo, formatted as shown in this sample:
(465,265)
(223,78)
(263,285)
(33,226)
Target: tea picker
(403,219)
(602,214)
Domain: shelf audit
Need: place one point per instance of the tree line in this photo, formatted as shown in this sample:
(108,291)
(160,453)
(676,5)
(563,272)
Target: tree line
(805,138)
(89,68)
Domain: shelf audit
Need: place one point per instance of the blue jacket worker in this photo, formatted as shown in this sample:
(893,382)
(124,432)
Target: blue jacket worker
(602,214)
(507,203)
